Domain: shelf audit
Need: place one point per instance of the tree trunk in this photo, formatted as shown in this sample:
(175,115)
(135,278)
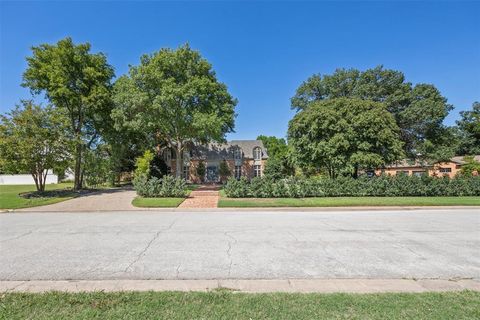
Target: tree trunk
(179,161)
(35,178)
(78,166)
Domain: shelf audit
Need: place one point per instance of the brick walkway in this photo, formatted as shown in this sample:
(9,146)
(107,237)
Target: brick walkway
(203,197)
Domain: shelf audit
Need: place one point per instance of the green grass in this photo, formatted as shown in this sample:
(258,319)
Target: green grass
(157,202)
(349,201)
(223,304)
(10,198)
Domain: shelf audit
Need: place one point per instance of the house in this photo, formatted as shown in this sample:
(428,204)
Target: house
(245,158)
(448,169)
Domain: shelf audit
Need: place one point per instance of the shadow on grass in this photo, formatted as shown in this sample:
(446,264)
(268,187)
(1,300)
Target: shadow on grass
(64,193)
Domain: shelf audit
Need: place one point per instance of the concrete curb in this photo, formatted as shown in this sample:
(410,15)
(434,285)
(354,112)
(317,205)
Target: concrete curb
(256,209)
(248,286)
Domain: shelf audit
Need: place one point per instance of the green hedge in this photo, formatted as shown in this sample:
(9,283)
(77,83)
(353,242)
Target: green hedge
(153,187)
(388,186)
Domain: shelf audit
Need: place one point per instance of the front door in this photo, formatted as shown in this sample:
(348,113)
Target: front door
(212,174)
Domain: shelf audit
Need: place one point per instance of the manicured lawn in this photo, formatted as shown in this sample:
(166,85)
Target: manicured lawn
(157,202)
(349,201)
(10,198)
(228,305)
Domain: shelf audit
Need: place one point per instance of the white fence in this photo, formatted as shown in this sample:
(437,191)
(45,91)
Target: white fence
(26,178)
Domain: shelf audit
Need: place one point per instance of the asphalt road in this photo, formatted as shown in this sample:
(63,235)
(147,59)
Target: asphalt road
(240,245)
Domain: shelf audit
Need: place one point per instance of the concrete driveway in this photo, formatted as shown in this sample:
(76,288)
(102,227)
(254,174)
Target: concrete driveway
(240,245)
(102,200)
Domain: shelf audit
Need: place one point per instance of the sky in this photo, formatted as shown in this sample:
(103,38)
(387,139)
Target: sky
(261,50)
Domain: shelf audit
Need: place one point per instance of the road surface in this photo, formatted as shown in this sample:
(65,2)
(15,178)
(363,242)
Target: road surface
(435,243)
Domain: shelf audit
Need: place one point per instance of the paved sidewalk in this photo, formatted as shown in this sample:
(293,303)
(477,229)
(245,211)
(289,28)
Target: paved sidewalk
(257,286)
(204,197)
(103,200)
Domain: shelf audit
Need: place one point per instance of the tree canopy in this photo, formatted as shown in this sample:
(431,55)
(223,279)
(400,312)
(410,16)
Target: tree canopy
(77,82)
(279,164)
(173,98)
(33,140)
(344,135)
(469,126)
(418,110)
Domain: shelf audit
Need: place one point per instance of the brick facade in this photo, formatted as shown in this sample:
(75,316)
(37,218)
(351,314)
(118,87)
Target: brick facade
(441,169)
(249,156)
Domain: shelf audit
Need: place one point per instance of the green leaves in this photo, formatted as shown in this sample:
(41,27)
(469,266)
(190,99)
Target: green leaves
(33,140)
(77,82)
(344,135)
(418,110)
(173,98)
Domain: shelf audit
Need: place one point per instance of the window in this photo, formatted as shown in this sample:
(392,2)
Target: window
(167,155)
(186,173)
(257,153)
(257,172)
(399,172)
(238,172)
(445,170)
(418,173)
(237,154)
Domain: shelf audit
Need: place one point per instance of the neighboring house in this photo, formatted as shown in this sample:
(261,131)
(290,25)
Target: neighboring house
(448,169)
(245,158)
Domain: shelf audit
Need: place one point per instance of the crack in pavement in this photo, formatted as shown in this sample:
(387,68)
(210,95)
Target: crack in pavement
(18,237)
(229,250)
(177,271)
(142,253)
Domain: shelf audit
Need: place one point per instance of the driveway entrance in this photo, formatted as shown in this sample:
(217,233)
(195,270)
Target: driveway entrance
(103,200)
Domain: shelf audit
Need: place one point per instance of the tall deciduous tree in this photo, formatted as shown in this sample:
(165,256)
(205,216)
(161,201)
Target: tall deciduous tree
(279,164)
(418,110)
(173,98)
(33,140)
(344,135)
(469,126)
(78,82)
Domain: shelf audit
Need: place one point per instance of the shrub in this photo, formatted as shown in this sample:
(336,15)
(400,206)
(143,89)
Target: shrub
(201,170)
(158,167)
(168,186)
(142,164)
(237,188)
(224,170)
(382,186)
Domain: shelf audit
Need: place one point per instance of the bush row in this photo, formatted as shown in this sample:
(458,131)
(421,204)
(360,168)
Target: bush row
(153,187)
(401,185)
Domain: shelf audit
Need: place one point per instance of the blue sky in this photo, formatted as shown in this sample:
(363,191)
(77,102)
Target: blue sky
(261,50)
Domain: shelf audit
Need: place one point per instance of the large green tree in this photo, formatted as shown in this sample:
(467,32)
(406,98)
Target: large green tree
(279,164)
(469,126)
(344,135)
(418,110)
(173,98)
(77,82)
(33,140)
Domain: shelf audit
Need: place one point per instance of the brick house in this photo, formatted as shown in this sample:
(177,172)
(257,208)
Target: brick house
(245,158)
(448,169)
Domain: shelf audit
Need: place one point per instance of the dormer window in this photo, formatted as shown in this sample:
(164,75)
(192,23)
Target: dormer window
(257,153)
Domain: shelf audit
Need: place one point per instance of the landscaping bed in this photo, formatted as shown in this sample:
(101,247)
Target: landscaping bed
(348,201)
(223,304)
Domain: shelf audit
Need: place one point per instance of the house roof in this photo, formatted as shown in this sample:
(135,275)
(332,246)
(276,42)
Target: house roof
(407,163)
(220,151)
(460,159)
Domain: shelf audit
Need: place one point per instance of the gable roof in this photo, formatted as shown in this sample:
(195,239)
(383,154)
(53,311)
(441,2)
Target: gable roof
(460,159)
(220,151)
